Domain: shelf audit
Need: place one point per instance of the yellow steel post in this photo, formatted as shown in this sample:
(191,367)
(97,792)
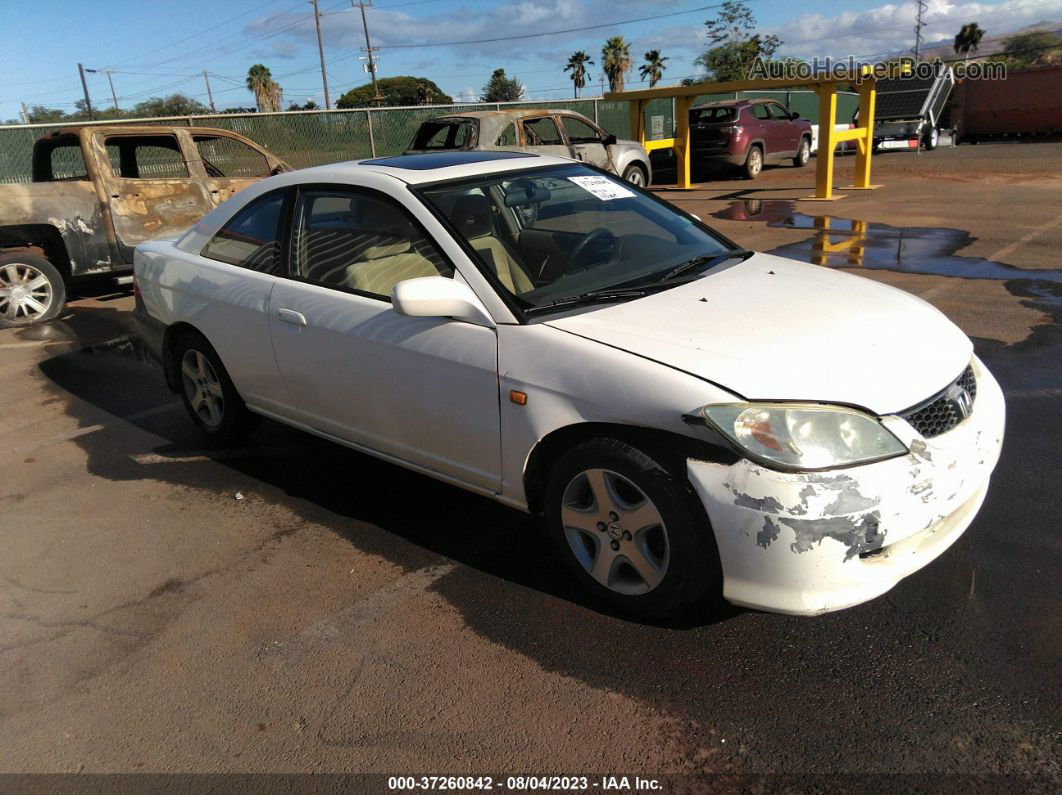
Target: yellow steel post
(637,110)
(682,140)
(827,93)
(867,98)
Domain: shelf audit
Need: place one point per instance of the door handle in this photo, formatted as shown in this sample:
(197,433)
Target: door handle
(291,316)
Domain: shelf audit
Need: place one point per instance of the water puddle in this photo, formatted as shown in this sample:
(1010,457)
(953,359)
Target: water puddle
(846,242)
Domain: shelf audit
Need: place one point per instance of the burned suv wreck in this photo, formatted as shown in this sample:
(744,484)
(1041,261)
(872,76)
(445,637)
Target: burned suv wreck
(99,191)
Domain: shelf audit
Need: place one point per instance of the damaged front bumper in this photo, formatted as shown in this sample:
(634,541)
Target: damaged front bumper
(808,543)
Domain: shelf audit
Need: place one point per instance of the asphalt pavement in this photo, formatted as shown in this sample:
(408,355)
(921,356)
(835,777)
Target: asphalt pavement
(292,606)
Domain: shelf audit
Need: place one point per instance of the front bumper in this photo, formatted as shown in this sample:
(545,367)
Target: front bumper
(809,543)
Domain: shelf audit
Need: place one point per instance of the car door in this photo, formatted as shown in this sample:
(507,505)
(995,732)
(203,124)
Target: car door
(228,298)
(768,131)
(148,188)
(542,136)
(230,165)
(423,390)
(586,141)
(788,130)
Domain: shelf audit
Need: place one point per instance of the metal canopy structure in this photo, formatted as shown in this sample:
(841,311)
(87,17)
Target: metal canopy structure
(826,89)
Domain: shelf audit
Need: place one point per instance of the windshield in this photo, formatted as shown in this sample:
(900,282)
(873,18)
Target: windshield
(712,115)
(551,235)
(445,134)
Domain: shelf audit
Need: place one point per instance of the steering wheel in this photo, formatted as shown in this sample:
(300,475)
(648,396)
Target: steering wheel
(599,235)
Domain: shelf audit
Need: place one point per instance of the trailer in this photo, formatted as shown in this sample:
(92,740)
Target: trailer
(909,110)
(1026,104)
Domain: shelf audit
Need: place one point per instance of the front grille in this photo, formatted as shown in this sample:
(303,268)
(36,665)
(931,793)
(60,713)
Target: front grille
(946,410)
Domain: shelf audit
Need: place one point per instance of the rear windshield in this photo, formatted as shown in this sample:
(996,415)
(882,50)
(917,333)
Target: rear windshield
(712,115)
(446,134)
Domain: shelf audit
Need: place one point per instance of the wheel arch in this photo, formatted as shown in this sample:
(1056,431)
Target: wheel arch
(669,448)
(44,240)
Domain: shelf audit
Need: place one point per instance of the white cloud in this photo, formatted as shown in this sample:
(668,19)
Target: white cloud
(889,28)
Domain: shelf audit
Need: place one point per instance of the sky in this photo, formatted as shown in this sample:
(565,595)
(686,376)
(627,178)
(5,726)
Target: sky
(159,47)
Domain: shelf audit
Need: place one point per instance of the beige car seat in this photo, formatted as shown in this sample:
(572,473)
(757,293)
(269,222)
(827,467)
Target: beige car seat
(390,256)
(472,217)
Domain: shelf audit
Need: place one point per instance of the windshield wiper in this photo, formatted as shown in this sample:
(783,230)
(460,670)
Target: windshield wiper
(703,261)
(594,297)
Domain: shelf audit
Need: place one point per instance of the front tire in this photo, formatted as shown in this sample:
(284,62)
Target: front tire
(31,290)
(208,393)
(632,533)
(635,175)
(803,153)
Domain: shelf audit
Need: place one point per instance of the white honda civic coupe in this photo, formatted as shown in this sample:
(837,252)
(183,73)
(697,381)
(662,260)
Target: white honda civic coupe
(685,414)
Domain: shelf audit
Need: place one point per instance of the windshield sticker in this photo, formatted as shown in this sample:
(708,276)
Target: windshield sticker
(602,187)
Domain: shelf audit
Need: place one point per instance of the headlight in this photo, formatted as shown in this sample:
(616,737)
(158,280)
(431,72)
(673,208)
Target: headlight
(804,436)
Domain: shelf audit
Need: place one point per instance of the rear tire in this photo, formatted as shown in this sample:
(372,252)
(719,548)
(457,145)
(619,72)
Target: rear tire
(632,533)
(208,393)
(803,153)
(31,290)
(753,162)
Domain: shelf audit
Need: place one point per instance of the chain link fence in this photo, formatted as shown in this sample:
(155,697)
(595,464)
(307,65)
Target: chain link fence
(311,138)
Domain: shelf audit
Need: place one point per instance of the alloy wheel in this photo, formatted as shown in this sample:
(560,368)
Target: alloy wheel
(25,293)
(202,388)
(755,161)
(615,532)
(635,177)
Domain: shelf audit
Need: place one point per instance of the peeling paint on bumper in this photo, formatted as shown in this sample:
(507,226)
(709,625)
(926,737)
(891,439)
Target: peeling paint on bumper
(809,543)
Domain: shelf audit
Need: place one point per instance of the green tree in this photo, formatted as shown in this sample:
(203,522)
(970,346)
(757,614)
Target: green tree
(735,44)
(968,38)
(173,105)
(1028,50)
(39,114)
(502,89)
(396,91)
(267,92)
(577,63)
(616,60)
(654,67)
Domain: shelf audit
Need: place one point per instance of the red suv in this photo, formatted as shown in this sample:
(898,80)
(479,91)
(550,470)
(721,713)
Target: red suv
(749,133)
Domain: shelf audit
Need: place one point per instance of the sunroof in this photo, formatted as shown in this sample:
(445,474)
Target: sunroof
(425,162)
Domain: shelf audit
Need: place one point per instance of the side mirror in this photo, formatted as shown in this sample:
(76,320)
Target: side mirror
(437,296)
(609,140)
(796,115)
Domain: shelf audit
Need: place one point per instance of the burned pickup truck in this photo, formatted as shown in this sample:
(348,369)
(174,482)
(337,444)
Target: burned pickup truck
(98,191)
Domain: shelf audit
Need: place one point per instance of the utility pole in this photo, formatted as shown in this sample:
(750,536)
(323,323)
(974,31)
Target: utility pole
(320,50)
(210,93)
(110,81)
(923,6)
(25,114)
(84,87)
(369,49)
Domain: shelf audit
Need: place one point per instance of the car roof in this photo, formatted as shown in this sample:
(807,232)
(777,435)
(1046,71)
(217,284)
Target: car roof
(507,114)
(735,103)
(429,167)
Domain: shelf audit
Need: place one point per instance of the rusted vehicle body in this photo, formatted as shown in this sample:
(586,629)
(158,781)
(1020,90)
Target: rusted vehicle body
(98,191)
(561,133)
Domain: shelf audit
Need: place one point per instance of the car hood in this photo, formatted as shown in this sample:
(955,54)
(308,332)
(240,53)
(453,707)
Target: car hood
(771,328)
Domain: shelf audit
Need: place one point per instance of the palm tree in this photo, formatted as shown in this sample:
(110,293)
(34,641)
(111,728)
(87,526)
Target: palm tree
(968,38)
(425,94)
(577,63)
(616,61)
(267,92)
(654,67)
